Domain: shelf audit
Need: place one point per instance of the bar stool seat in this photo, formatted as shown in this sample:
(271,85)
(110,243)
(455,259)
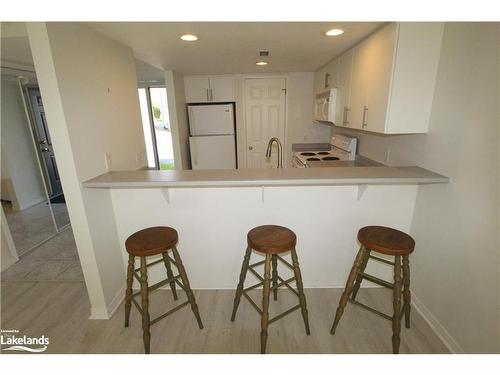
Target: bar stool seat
(386,240)
(271,239)
(151,241)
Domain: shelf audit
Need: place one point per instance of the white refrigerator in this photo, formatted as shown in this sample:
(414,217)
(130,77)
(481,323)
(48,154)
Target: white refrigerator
(212,140)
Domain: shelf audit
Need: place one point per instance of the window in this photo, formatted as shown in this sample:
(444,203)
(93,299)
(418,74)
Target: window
(156,127)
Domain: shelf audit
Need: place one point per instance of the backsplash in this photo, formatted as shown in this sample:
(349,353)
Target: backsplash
(391,150)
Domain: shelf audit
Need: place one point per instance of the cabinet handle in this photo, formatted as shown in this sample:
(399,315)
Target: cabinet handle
(365,120)
(211,95)
(250,148)
(208,96)
(344,120)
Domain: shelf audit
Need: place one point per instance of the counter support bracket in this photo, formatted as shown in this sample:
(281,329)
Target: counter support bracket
(166,194)
(361,191)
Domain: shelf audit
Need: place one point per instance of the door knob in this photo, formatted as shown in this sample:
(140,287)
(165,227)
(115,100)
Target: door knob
(250,148)
(45,149)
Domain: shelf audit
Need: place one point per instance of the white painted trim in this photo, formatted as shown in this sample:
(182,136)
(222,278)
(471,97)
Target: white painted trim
(8,263)
(32,203)
(98,313)
(447,339)
(107,313)
(116,302)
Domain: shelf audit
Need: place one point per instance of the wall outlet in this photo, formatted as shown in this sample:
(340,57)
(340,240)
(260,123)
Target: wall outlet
(107,160)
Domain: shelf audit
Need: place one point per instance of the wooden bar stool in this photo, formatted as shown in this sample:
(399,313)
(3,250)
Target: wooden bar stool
(149,242)
(386,241)
(271,240)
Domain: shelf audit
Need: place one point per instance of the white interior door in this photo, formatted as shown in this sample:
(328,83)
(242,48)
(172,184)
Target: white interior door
(264,118)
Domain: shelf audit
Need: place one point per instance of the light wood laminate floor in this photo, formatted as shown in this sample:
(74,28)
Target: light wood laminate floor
(60,311)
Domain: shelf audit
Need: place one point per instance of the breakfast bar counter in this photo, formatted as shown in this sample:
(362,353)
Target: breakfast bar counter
(212,210)
(379,175)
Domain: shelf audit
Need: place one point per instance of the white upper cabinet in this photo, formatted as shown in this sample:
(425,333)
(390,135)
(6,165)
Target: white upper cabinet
(222,88)
(206,89)
(386,82)
(344,78)
(197,89)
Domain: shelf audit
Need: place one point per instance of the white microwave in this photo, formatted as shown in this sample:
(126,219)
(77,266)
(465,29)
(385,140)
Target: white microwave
(325,104)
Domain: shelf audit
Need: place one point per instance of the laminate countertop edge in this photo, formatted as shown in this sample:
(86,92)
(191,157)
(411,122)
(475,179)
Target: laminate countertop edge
(141,179)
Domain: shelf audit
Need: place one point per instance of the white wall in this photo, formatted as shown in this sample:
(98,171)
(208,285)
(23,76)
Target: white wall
(455,267)
(213,223)
(22,173)
(456,262)
(89,86)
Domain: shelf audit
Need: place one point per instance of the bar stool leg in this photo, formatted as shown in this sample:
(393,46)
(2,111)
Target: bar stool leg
(145,305)
(396,318)
(170,274)
(300,288)
(348,288)
(274,259)
(359,279)
(241,283)
(128,293)
(265,304)
(185,282)
(406,290)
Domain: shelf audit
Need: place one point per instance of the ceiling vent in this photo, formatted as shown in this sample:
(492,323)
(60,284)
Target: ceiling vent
(263,53)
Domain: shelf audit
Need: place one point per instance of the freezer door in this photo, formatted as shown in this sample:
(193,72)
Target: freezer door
(211,119)
(213,152)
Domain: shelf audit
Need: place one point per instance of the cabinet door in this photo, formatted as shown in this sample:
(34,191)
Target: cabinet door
(197,89)
(360,76)
(380,54)
(343,116)
(222,89)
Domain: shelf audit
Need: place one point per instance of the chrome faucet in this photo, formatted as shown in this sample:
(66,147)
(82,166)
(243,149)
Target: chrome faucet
(280,150)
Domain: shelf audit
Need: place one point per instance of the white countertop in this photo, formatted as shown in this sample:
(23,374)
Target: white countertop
(266,177)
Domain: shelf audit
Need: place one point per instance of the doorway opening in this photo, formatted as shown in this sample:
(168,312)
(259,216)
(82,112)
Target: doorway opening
(156,127)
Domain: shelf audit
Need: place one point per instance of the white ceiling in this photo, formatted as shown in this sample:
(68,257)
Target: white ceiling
(223,48)
(233,47)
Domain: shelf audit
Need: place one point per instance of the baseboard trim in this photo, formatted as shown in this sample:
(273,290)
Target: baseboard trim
(115,303)
(10,262)
(104,313)
(451,344)
(98,313)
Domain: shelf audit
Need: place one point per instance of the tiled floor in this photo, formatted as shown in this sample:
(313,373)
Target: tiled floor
(32,226)
(55,260)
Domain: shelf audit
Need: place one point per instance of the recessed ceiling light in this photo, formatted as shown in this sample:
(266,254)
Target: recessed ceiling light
(334,32)
(261,63)
(189,37)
